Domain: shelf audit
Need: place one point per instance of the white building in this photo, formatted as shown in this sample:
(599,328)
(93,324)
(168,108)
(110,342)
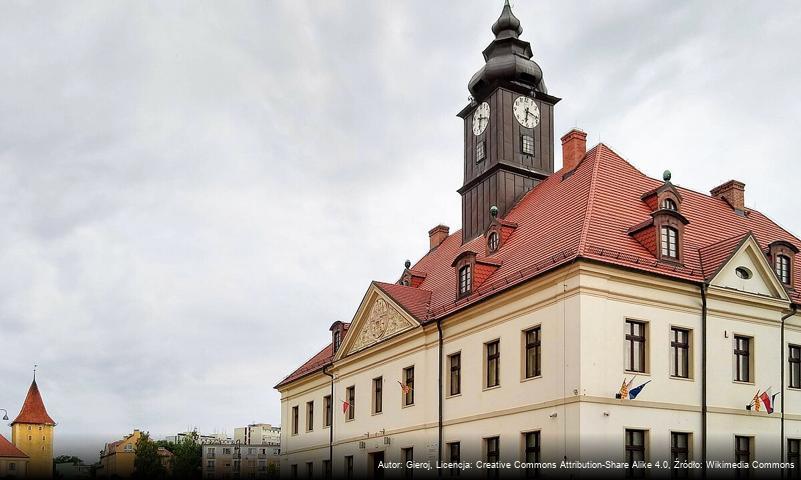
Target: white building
(239,461)
(258,434)
(515,334)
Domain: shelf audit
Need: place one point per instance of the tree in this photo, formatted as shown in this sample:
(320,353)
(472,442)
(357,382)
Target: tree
(186,463)
(147,463)
(67,459)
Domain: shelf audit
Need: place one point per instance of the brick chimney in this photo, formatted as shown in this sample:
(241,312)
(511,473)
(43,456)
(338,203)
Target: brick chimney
(574,146)
(733,192)
(437,235)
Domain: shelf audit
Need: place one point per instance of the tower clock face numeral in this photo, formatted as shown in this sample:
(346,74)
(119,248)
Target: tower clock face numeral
(481,118)
(526,111)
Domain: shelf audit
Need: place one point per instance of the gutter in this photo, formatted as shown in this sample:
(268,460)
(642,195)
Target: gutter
(703,377)
(793,311)
(331,426)
(439,380)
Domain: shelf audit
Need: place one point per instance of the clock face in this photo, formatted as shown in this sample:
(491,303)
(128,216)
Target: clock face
(526,112)
(481,118)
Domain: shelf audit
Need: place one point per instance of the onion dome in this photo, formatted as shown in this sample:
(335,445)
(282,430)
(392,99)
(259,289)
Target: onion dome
(508,59)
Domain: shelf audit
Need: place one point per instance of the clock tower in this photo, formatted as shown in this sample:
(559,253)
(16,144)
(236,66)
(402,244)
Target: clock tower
(508,128)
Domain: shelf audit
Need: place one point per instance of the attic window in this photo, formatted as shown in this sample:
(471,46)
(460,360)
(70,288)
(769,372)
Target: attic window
(465,280)
(743,273)
(783,268)
(337,340)
(493,242)
(669,204)
(670,242)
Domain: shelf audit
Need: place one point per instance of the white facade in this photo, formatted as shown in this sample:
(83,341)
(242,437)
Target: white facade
(258,434)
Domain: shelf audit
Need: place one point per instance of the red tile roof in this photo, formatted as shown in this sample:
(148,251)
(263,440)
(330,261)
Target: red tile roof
(586,213)
(8,450)
(33,409)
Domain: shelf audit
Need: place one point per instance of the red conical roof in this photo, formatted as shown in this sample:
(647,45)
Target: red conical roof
(33,410)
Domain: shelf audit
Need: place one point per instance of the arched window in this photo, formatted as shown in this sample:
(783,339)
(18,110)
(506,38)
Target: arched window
(669,204)
(783,268)
(493,241)
(670,242)
(465,280)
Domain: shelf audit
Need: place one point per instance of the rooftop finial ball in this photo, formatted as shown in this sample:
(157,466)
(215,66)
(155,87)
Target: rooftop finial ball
(407,264)
(666,175)
(494,211)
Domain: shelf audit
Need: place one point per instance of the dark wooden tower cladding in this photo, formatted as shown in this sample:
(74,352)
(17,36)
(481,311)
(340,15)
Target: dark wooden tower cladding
(506,172)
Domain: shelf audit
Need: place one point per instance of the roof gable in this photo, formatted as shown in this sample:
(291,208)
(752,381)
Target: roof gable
(9,450)
(378,318)
(748,256)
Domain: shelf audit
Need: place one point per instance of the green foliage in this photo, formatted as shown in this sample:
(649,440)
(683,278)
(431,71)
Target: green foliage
(147,463)
(67,459)
(186,463)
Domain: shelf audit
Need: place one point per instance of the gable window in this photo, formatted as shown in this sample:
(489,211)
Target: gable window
(408,383)
(533,353)
(327,411)
(783,268)
(378,395)
(493,242)
(350,395)
(669,204)
(679,352)
(309,416)
(670,242)
(295,420)
(794,367)
(742,358)
(635,346)
(527,144)
(481,151)
(465,280)
(455,362)
(493,363)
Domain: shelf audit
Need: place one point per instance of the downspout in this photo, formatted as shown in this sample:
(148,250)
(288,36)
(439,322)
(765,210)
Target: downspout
(703,377)
(439,379)
(793,311)
(331,426)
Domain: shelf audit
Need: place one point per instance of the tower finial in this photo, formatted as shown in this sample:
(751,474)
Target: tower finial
(34,371)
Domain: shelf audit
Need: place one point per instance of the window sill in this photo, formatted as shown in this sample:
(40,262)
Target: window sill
(537,377)
(453,396)
(797,389)
(741,382)
(494,387)
(407,406)
(683,379)
(326,426)
(377,413)
(639,374)
(349,420)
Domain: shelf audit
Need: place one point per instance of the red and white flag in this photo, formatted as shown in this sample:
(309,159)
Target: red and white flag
(768,400)
(345,406)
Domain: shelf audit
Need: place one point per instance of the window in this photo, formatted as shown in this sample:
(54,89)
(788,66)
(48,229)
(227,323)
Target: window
(293,469)
(327,468)
(670,242)
(350,395)
(533,353)
(408,382)
(295,420)
(481,151)
(309,416)
(455,362)
(635,346)
(669,204)
(532,440)
(349,466)
(327,408)
(742,358)
(493,363)
(226,451)
(680,352)
(743,273)
(493,242)
(783,268)
(635,450)
(210,464)
(794,455)
(794,358)
(337,340)
(309,469)
(12,466)
(378,395)
(465,280)
(128,447)
(679,450)
(742,449)
(493,453)
(454,456)
(527,144)
(407,455)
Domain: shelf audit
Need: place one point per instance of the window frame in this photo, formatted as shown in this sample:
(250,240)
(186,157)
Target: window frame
(492,362)
(739,354)
(465,278)
(295,419)
(535,451)
(455,371)
(669,242)
(350,396)
(408,379)
(455,471)
(481,151)
(348,466)
(739,453)
(496,453)
(794,456)
(676,451)
(784,270)
(631,449)
(378,396)
(794,366)
(669,204)
(523,138)
(493,241)
(681,352)
(630,341)
(535,345)
(328,411)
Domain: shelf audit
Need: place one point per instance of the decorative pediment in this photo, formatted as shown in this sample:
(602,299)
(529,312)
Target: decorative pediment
(747,270)
(378,318)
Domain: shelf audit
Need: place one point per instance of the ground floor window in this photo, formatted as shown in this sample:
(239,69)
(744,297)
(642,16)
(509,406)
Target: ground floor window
(794,456)
(492,454)
(635,451)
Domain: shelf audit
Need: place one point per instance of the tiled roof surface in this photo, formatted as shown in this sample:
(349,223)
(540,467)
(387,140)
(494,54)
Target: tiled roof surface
(33,409)
(586,213)
(8,450)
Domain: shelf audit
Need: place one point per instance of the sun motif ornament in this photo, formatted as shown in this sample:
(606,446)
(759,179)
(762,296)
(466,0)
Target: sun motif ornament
(382,322)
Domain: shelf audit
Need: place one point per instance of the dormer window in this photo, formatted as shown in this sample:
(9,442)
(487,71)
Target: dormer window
(670,242)
(337,340)
(465,280)
(493,242)
(783,270)
(669,204)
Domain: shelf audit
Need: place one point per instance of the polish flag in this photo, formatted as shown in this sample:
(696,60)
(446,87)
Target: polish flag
(345,407)
(767,400)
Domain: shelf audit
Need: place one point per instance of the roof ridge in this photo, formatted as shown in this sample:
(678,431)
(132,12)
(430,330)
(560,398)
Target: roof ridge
(585,228)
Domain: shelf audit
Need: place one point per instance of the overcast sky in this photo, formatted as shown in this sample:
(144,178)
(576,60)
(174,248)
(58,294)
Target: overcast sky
(192,192)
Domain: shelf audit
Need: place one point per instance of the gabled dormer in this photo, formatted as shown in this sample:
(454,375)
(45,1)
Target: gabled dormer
(498,232)
(663,234)
(781,254)
(411,278)
(472,272)
(338,330)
